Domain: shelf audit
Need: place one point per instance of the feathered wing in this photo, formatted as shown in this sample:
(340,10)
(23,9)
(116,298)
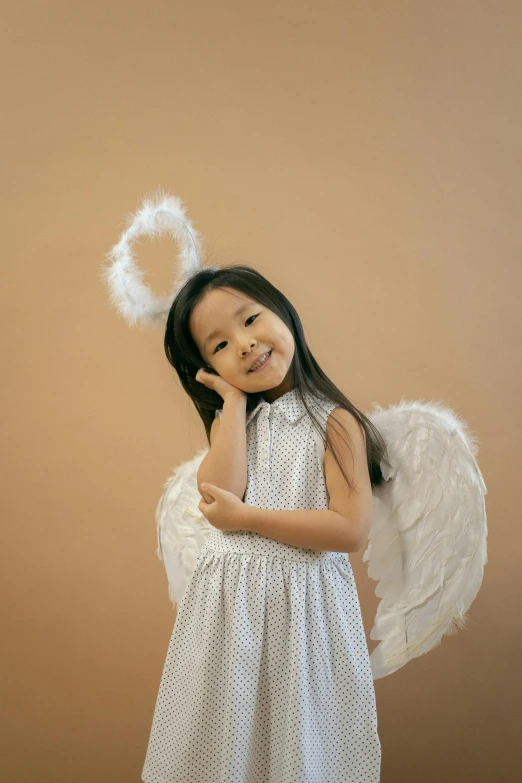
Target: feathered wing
(427,543)
(181,527)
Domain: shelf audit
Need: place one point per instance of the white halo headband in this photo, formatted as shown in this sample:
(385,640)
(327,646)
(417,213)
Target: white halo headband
(159,214)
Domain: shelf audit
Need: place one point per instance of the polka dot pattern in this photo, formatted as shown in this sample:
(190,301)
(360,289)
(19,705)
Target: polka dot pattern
(267,677)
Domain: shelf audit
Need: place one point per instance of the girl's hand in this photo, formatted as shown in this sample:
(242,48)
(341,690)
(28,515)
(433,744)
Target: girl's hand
(227,512)
(217,383)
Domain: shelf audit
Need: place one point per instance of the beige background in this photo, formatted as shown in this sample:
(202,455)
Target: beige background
(365,157)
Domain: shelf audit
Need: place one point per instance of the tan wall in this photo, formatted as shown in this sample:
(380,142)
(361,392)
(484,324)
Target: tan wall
(365,157)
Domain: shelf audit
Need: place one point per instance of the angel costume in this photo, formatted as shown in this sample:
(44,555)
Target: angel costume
(267,677)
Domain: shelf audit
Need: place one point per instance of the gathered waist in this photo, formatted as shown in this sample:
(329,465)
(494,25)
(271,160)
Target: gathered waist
(248,542)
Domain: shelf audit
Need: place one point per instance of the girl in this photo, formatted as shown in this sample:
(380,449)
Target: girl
(267,677)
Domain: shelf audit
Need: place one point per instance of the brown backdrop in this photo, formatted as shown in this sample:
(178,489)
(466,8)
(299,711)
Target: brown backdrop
(364,156)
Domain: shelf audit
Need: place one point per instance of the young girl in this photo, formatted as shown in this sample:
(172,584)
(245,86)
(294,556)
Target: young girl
(267,677)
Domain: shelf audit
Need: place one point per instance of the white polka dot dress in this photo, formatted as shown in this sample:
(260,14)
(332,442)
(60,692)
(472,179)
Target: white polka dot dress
(267,677)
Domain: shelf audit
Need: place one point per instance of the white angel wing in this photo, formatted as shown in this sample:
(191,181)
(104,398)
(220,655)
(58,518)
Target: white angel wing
(181,527)
(427,543)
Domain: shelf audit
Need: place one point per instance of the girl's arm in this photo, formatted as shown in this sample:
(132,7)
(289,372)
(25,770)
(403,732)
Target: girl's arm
(225,465)
(310,529)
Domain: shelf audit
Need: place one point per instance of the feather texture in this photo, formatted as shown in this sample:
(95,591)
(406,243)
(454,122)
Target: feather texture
(159,214)
(181,527)
(427,543)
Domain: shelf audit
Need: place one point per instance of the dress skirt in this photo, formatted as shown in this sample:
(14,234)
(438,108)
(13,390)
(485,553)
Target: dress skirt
(267,677)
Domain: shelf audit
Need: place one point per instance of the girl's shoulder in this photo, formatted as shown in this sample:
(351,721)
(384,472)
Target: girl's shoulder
(324,406)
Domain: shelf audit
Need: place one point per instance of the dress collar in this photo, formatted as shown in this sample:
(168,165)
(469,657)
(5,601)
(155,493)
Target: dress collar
(290,405)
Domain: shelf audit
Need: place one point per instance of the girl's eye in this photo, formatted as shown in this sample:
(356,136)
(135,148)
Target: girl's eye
(247,320)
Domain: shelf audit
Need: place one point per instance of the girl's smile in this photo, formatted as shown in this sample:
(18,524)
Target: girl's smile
(264,362)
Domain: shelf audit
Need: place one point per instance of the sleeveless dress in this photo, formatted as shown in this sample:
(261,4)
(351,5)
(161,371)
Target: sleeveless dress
(267,677)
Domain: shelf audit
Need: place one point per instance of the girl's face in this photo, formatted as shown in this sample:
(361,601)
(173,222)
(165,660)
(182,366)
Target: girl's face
(231,341)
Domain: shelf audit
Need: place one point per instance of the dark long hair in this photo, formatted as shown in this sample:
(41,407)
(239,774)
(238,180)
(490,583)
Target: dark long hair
(183,354)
